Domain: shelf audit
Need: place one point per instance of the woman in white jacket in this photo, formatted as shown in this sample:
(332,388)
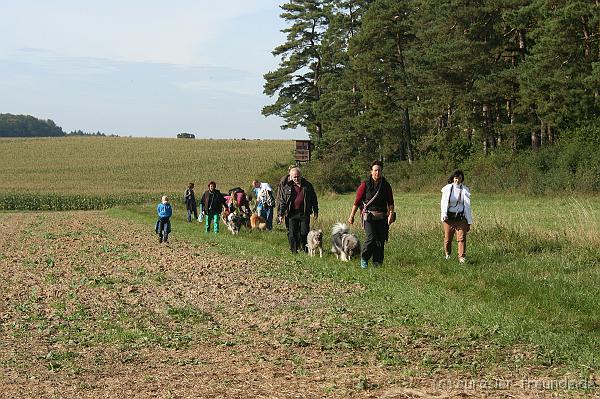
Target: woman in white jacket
(456,215)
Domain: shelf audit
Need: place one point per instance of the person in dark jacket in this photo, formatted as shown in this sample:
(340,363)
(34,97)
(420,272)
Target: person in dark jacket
(211,206)
(282,182)
(298,202)
(375,199)
(190,202)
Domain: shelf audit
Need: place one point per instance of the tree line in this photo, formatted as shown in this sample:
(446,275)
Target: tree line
(412,79)
(30,126)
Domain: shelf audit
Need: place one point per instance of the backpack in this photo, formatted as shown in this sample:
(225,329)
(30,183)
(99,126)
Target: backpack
(266,198)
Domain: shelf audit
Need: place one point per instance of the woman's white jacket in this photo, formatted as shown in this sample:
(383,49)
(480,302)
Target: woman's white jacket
(466,198)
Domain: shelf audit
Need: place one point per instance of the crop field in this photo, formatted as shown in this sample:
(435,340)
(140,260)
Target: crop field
(93,306)
(99,172)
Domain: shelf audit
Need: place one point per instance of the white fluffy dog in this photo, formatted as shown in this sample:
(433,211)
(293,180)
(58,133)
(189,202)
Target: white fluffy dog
(345,245)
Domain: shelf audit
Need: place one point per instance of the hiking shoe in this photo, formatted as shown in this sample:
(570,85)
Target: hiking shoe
(447,257)
(160,239)
(462,260)
(376,264)
(364,263)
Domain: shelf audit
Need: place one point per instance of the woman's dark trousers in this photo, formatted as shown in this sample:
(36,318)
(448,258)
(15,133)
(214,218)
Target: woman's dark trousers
(376,234)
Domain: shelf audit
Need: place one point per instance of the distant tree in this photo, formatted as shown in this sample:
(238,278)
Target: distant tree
(28,126)
(82,133)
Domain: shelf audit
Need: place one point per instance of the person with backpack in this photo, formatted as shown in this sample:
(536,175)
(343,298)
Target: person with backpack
(456,214)
(375,199)
(190,202)
(265,201)
(239,204)
(279,198)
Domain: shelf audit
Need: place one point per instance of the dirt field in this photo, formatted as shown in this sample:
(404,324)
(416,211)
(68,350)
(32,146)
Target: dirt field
(93,307)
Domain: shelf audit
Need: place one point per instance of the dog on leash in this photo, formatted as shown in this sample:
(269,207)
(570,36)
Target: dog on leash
(234,222)
(345,245)
(314,242)
(257,222)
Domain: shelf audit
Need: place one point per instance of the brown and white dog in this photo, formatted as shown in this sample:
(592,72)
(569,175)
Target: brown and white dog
(345,245)
(257,222)
(314,242)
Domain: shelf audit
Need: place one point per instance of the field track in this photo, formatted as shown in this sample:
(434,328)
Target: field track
(94,307)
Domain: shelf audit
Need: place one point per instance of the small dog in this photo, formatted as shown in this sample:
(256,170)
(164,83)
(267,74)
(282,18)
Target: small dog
(257,222)
(345,245)
(234,222)
(224,215)
(314,242)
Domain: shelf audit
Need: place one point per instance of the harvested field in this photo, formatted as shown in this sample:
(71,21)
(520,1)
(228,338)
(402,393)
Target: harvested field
(92,306)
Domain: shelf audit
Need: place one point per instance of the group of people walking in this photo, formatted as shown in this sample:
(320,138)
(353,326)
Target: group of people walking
(297,201)
(213,202)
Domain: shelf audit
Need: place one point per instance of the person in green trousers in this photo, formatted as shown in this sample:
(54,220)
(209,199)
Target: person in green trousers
(211,206)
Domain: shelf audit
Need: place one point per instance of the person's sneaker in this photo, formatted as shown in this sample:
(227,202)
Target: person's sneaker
(462,260)
(364,263)
(160,239)
(447,257)
(376,264)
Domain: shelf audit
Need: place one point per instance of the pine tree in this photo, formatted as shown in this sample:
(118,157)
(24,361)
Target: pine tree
(296,82)
(557,79)
(340,102)
(378,55)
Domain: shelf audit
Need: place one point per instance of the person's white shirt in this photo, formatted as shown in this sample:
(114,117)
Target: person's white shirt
(456,198)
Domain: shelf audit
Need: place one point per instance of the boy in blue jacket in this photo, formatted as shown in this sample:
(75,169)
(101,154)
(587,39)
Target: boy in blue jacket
(163,224)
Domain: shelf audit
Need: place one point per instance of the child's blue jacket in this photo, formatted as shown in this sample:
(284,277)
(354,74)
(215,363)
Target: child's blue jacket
(164,210)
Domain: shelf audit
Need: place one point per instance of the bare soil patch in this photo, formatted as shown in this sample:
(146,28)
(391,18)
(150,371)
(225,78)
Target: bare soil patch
(92,306)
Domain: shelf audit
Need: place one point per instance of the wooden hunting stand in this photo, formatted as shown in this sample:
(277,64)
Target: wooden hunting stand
(303,148)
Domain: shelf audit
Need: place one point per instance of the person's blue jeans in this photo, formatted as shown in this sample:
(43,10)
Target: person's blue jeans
(163,228)
(267,213)
(192,211)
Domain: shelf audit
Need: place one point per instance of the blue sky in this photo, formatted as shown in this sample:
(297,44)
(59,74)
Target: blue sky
(142,68)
